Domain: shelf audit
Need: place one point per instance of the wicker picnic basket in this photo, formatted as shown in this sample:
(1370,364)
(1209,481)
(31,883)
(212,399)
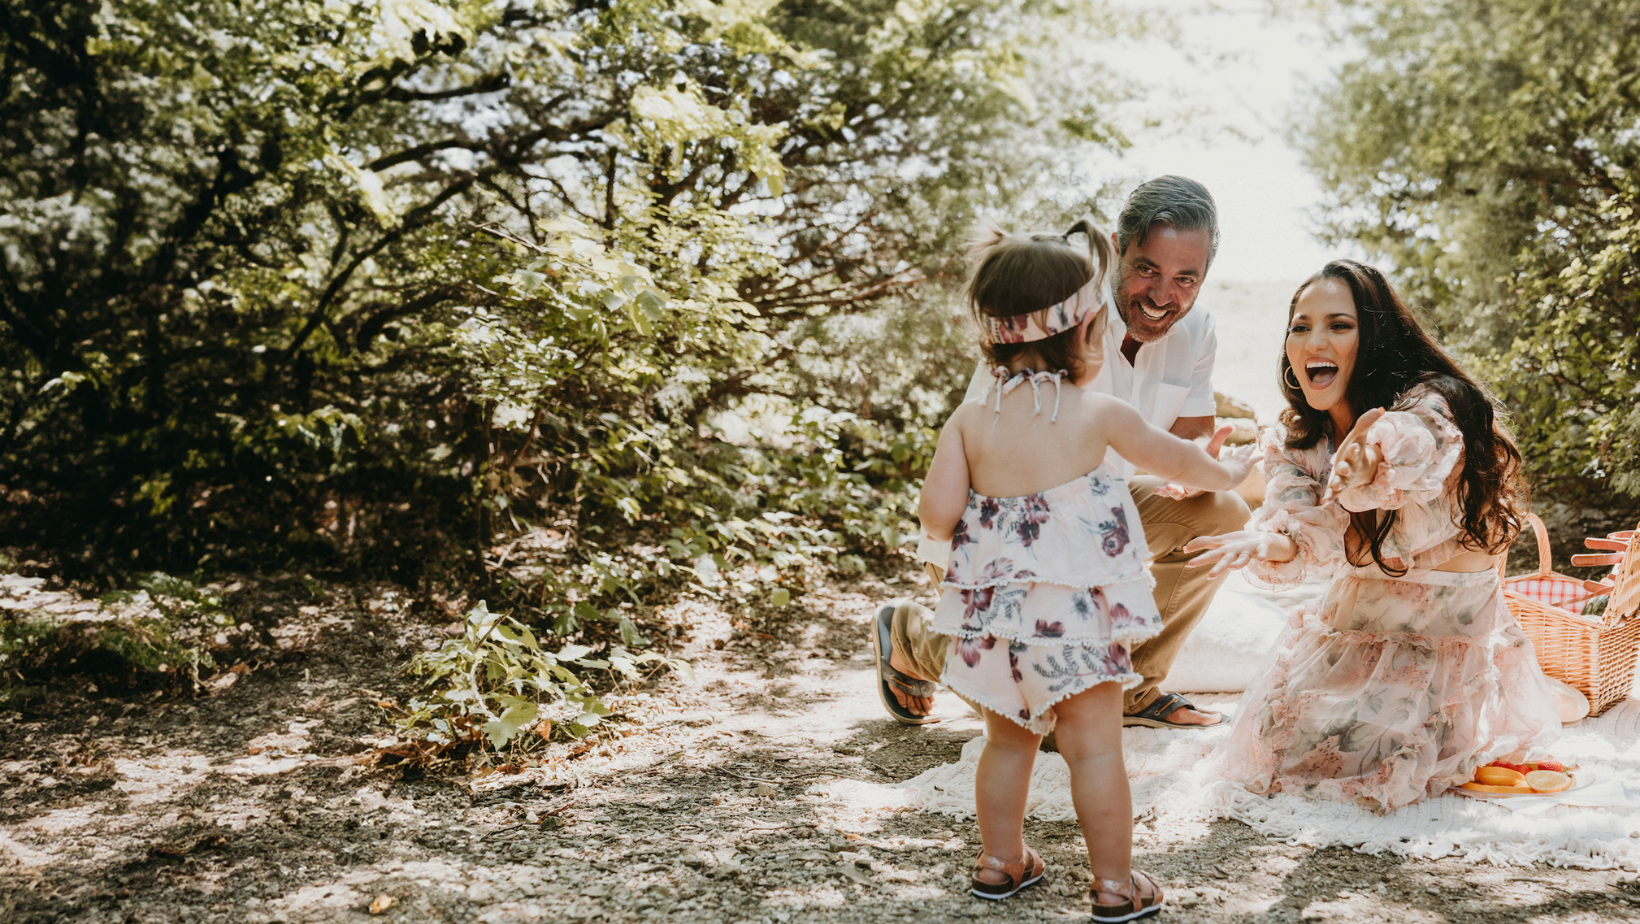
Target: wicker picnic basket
(1594,653)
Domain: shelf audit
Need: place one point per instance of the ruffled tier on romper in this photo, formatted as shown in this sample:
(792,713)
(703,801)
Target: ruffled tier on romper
(1044,595)
(1390,690)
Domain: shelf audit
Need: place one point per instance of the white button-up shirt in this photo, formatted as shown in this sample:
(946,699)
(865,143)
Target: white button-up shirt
(1169,378)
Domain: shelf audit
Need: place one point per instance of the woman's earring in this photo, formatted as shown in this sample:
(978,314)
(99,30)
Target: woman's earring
(1292,380)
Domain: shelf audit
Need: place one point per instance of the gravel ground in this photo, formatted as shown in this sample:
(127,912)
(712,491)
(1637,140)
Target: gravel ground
(255,805)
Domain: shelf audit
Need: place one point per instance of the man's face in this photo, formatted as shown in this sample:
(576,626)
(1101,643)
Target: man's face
(1157,282)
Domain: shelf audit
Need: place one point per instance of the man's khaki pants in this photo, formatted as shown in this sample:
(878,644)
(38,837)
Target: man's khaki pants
(1182,593)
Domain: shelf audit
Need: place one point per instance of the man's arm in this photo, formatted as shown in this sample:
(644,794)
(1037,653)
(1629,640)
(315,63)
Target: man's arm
(1192,428)
(1201,400)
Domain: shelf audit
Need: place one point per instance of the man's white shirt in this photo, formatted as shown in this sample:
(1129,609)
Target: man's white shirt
(1170,378)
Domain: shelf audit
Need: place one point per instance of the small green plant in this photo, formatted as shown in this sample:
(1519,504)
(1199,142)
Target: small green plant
(155,635)
(496,682)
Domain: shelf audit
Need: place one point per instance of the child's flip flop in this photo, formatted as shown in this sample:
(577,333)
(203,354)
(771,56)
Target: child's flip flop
(889,679)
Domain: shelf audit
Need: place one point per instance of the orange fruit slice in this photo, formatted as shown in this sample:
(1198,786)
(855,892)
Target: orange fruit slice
(1548,781)
(1498,776)
(1522,789)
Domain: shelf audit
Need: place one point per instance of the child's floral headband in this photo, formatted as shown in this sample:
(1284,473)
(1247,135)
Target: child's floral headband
(1055,319)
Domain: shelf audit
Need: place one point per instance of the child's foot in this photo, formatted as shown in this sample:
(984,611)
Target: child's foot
(992,878)
(1115,900)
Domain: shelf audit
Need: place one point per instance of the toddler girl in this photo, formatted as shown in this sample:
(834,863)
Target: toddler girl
(1046,587)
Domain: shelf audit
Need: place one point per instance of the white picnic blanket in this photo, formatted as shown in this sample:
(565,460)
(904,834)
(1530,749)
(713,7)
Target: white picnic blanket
(1595,826)
(1239,628)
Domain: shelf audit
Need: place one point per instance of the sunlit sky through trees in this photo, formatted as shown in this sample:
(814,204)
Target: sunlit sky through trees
(1224,89)
(1225,93)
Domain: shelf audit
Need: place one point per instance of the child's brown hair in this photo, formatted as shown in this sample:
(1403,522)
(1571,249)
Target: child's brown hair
(1017,274)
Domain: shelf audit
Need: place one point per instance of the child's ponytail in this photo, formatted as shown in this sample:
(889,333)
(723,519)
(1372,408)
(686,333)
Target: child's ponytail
(1100,249)
(1014,275)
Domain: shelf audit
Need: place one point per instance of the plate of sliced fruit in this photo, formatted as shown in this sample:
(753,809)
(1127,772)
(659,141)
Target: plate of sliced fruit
(1502,779)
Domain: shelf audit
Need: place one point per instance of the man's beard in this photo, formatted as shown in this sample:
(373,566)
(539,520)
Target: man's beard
(1140,327)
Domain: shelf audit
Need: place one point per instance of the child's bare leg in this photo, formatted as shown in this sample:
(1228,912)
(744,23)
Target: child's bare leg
(1001,784)
(1090,739)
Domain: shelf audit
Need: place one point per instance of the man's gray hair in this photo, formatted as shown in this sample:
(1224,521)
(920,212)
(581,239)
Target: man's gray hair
(1181,203)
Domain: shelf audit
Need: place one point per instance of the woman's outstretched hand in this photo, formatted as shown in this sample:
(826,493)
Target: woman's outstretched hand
(1355,464)
(1238,550)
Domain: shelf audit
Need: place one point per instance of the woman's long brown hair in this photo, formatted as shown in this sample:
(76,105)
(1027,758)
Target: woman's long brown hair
(1396,355)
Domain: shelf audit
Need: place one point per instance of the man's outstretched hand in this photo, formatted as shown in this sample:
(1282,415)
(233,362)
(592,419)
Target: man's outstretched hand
(1214,444)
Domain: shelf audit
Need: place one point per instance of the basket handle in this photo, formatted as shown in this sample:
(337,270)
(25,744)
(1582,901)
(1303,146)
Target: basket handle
(1593,561)
(1607,545)
(1545,562)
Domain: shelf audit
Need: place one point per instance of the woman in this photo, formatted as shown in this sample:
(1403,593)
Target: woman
(1410,672)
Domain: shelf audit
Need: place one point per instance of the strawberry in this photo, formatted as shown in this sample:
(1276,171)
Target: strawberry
(1554,765)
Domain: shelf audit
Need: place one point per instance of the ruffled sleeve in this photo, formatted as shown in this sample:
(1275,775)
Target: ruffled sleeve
(1294,481)
(1421,446)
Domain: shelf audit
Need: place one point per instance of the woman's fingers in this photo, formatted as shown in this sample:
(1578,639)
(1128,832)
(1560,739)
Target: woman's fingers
(1205,542)
(1358,433)
(1372,457)
(1356,461)
(1233,550)
(1206,558)
(1235,559)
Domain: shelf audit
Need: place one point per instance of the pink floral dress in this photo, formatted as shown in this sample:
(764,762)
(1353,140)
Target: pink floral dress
(1390,688)
(1043,596)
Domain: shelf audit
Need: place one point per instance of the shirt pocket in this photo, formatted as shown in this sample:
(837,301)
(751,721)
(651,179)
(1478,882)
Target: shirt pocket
(1169,401)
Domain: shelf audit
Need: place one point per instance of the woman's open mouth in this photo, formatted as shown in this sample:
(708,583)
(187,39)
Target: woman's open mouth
(1321,372)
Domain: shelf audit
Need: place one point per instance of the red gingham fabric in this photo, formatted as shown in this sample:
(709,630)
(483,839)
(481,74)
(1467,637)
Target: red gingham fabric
(1551,591)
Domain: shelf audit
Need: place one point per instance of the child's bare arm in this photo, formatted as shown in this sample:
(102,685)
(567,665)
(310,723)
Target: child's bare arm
(945,490)
(1167,457)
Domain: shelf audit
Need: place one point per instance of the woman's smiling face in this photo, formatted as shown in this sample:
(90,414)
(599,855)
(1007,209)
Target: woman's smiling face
(1322,338)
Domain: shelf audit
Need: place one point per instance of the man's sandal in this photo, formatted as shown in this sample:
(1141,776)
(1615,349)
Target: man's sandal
(1025,871)
(1155,715)
(1134,904)
(889,679)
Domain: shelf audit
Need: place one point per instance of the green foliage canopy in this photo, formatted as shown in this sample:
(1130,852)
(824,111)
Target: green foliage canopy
(1487,151)
(342,280)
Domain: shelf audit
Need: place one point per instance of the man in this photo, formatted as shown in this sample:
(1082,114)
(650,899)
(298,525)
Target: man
(1159,358)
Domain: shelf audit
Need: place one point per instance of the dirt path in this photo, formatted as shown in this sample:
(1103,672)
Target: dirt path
(250,806)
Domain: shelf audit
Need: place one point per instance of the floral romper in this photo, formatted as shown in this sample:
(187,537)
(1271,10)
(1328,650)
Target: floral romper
(1391,687)
(1044,595)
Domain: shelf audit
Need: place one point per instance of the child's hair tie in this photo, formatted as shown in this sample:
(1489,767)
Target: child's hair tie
(1055,319)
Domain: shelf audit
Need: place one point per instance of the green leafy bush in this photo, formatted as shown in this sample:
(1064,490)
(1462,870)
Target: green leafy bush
(1486,152)
(246,315)
(404,287)
(496,683)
